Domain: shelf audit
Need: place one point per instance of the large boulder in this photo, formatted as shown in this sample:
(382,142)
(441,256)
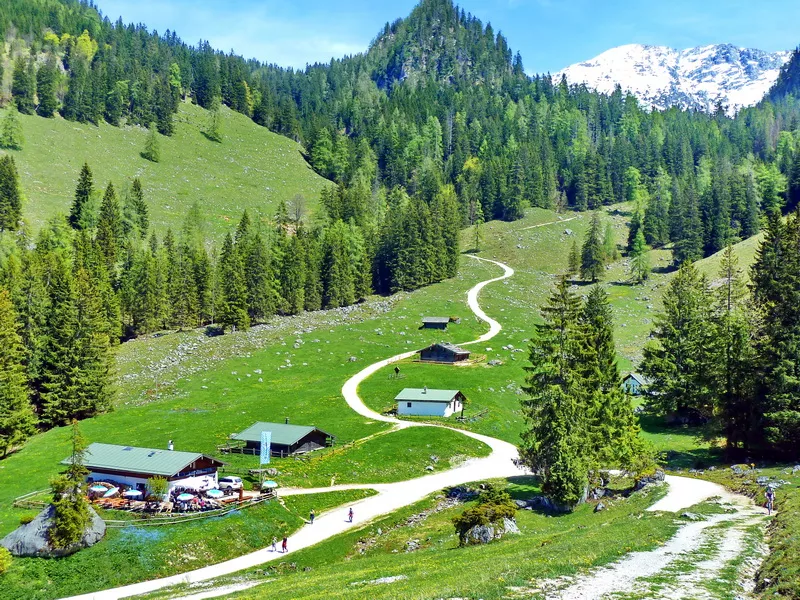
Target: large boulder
(483,534)
(32,538)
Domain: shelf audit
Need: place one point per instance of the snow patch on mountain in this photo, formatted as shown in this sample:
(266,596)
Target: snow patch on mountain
(693,78)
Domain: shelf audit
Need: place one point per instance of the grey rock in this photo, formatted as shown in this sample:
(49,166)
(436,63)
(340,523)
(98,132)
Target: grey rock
(429,468)
(690,516)
(483,534)
(600,506)
(31,539)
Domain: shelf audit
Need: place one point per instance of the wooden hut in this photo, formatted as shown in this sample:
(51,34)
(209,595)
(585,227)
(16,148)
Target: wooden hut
(435,322)
(286,439)
(443,352)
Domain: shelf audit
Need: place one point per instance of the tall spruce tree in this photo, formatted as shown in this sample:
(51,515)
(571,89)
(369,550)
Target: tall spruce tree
(640,259)
(23,86)
(10,194)
(46,87)
(70,505)
(592,260)
(11,136)
(110,232)
(555,439)
(17,420)
(233,286)
(152,147)
(83,194)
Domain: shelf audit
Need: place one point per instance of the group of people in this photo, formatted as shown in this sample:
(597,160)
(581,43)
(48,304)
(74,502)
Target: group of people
(311,517)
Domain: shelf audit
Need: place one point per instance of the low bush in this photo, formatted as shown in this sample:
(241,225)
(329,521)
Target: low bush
(493,506)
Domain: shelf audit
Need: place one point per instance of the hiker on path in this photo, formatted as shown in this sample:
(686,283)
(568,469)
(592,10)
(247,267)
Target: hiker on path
(274,543)
(311,516)
(770,499)
(284,545)
(350,515)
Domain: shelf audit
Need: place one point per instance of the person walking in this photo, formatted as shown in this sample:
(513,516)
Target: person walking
(311,516)
(350,515)
(274,543)
(284,545)
(770,499)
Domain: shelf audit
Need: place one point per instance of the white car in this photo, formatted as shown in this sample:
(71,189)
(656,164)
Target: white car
(230,483)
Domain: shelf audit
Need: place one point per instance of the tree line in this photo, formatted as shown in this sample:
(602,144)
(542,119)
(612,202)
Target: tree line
(727,352)
(438,97)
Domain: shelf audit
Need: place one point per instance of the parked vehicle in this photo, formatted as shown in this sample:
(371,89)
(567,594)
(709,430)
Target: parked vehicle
(230,483)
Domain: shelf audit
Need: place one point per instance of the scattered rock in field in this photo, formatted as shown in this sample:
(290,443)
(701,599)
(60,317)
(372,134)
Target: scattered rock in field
(600,506)
(494,363)
(483,534)
(568,232)
(353,359)
(429,468)
(690,516)
(412,545)
(381,580)
(434,458)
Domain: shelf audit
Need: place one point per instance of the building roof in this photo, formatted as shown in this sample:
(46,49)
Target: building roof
(138,460)
(639,378)
(435,319)
(449,346)
(282,433)
(426,395)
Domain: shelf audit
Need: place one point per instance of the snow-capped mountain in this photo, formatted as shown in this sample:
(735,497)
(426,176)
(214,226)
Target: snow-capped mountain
(693,78)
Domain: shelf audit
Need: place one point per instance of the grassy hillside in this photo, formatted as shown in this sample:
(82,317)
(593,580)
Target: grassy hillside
(252,168)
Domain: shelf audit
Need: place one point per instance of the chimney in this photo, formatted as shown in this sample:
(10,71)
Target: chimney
(425,390)
(287,420)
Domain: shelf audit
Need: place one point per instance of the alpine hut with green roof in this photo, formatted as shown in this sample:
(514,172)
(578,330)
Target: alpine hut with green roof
(133,466)
(426,402)
(286,439)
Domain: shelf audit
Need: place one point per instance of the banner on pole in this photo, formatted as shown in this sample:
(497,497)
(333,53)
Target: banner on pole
(266,442)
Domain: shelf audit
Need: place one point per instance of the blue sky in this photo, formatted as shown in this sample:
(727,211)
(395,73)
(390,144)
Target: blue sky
(550,34)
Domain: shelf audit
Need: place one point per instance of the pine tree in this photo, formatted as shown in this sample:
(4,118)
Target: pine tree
(10,194)
(46,87)
(23,86)
(213,129)
(11,136)
(17,421)
(610,251)
(736,360)
(83,194)
(71,507)
(110,228)
(681,362)
(592,260)
(140,209)
(152,147)
(262,299)
(233,297)
(292,275)
(574,260)
(555,439)
(640,259)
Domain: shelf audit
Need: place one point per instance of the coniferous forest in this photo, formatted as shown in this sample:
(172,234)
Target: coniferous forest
(435,127)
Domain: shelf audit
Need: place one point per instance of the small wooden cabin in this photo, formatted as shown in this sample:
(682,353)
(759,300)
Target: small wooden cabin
(429,403)
(435,322)
(133,467)
(286,439)
(443,352)
(635,384)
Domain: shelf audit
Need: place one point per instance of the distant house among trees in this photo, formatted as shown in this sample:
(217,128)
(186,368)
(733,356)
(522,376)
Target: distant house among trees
(635,384)
(443,352)
(435,322)
(429,403)
(134,467)
(286,439)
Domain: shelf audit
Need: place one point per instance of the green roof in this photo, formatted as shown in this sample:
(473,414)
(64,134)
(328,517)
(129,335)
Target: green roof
(426,395)
(435,319)
(137,460)
(282,433)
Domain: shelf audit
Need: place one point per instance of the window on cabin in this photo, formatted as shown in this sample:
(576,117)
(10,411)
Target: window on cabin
(408,404)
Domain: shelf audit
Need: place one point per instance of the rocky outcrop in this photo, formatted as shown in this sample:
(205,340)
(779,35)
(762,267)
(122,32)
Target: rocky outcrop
(32,538)
(483,534)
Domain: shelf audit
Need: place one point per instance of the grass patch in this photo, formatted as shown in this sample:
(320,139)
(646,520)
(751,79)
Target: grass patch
(252,168)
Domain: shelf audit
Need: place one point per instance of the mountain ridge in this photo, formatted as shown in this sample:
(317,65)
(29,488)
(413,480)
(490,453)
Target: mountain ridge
(693,78)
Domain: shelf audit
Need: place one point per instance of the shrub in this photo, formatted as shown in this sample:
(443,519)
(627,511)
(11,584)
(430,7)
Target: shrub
(5,560)
(25,519)
(493,506)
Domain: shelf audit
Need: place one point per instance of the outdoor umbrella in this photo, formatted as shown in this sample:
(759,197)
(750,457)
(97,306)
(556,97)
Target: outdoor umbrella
(215,493)
(97,488)
(185,497)
(132,494)
(269,484)
(111,492)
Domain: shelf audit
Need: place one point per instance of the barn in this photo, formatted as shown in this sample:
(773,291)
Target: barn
(435,322)
(286,439)
(429,403)
(132,466)
(443,352)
